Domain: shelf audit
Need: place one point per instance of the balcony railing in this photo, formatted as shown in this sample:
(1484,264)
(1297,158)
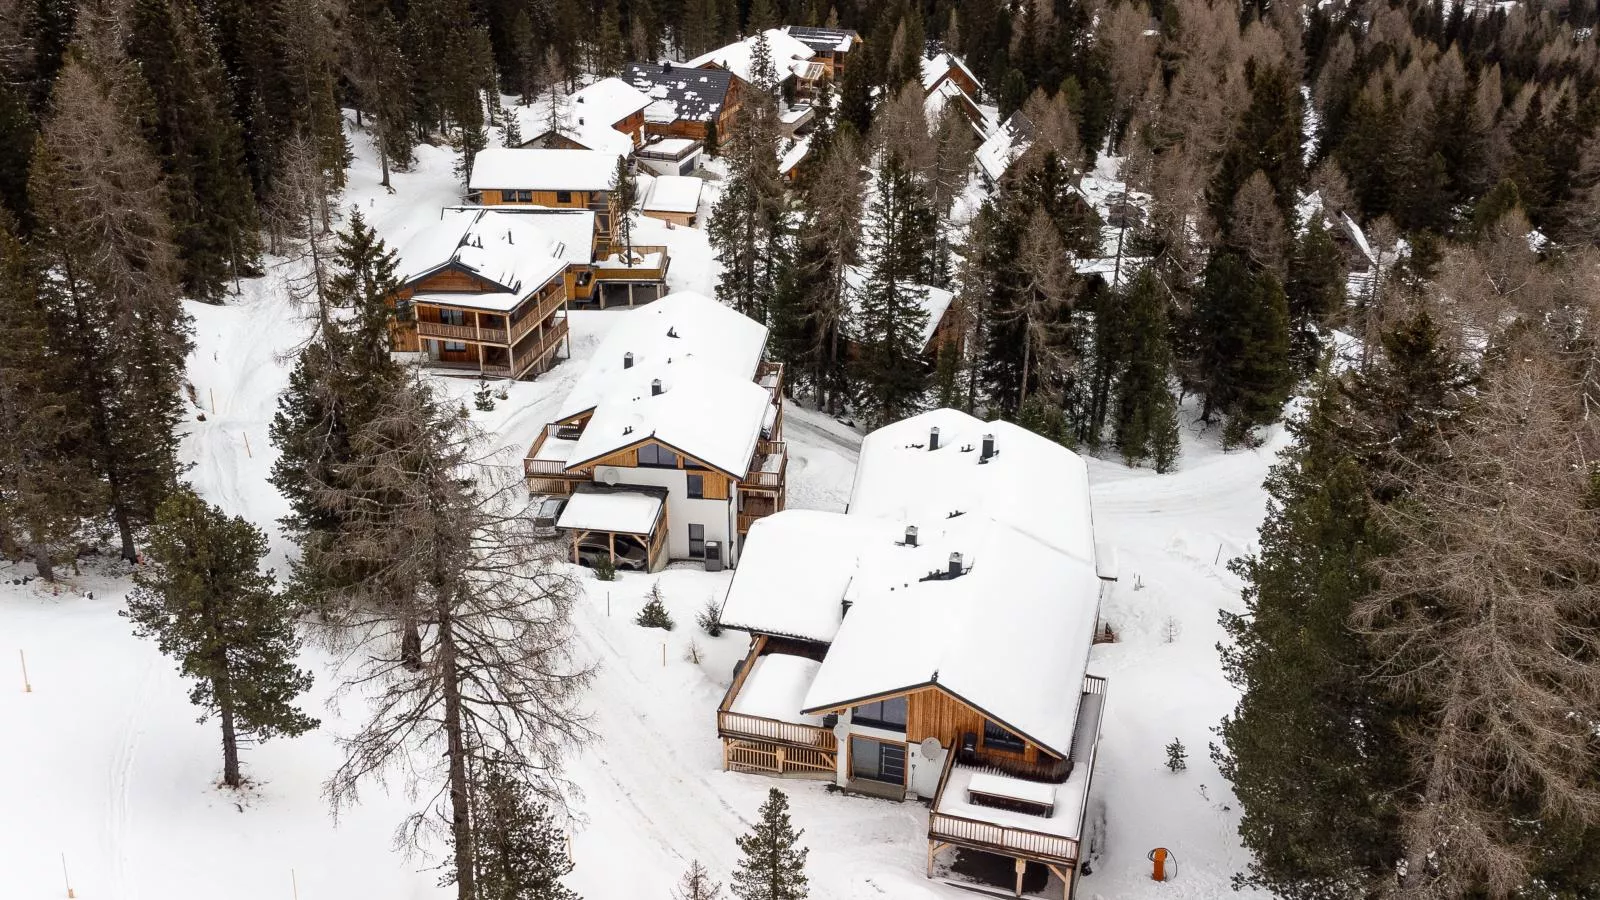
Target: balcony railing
(760,476)
(490,369)
(461,332)
(741,725)
(539,313)
(613,270)
(770,376)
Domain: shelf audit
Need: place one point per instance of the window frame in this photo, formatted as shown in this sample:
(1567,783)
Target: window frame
(860,716)
(563,196)
(656,452)
(701,540)
(696,486)
(448,316)
(998,737)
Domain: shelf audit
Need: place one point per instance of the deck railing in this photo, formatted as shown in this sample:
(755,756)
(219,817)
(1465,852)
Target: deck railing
(491,369)
(461,332)
(604,270)
(538,314)
(732,724)
(760,479)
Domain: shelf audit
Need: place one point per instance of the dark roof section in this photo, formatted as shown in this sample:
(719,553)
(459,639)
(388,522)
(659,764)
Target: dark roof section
(820,39)
(698,94)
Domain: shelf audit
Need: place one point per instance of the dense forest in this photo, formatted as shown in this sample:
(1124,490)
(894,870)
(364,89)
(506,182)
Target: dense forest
(1415,185)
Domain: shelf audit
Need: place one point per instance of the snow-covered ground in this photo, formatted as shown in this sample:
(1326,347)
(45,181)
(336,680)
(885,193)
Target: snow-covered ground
(104,763)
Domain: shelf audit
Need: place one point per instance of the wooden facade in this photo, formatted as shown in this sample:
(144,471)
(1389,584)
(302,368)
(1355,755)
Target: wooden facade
(552,199)
(698,130)
(455,334)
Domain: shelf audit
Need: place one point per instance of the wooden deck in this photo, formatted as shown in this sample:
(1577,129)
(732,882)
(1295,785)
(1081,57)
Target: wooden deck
(769,746)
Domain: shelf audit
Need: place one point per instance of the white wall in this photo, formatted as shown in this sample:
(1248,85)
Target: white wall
(715,515)
(842,773)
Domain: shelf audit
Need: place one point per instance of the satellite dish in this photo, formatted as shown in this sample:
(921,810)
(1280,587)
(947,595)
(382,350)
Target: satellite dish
(930,748)
(608,475)
(841,731)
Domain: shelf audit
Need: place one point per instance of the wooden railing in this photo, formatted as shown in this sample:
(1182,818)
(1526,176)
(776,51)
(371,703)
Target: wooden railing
(538,314)
(777,759)
(461,332)
(766,368)
(548,346)
(771,481)
(732,724)
(608,271)
(1034,845)
(486,368)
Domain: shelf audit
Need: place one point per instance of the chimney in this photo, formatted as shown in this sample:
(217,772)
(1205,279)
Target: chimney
(955,565)
(988,448)
(911,535)
(655,387)
(933,438)
(627,360)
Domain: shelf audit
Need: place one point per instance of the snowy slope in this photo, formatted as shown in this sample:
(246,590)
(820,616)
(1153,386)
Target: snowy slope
(104,762)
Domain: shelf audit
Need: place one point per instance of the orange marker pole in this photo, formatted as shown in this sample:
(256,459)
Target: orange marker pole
(1160,858)
(27,686)
(67,878)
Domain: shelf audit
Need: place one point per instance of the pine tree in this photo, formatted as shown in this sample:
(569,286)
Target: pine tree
(1315,291)
(891,311)
(104,238)
(200,146)
(773,864)
(654,612)
(624,198)
(1177,756)
(1242,328)
(763,15)
(381,75)
(609,48)
(1146,420)
(44,497)
(748,228)
(519,847)
(208,605)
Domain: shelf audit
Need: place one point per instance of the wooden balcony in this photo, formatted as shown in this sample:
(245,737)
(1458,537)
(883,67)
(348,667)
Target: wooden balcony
(461,333)
(770,376)
(532,318)
(552,473)
(611,267)
(764,475)
(759,744)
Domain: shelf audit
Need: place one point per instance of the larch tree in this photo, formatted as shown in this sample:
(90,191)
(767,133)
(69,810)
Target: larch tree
(381,75)
(1038,314)
(206,602)
(696,884)
(890,312)
(772,865)
(493,679)
(199,144)
(104,238)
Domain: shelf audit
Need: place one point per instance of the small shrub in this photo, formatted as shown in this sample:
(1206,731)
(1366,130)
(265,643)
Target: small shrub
(483,397)
(1170,629)
(1177,757)
(605,569)
(710,618)
(691,653)
(654,614)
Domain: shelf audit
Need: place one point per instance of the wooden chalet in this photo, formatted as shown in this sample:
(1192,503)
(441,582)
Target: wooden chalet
(677,399)
(946,80)
(673,198)
(797,69)
(831,47)
(939,326)
(686,102)
(885,642)
(481,294)
(607,115)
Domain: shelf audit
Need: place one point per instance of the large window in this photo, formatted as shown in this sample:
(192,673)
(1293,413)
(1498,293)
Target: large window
(877,760)
(657,456)
(516,196)
(697,542)
(453,316)
(697,487)
(996,737)
(890,714)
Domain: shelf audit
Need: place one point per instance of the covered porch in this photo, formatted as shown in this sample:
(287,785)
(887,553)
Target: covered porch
(627,526)
(760,722)
(1028,820)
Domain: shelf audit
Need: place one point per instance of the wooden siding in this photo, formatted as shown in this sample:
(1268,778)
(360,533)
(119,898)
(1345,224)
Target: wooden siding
(716,486)
(452,281)
(627,459)
(575,199)
(683,219)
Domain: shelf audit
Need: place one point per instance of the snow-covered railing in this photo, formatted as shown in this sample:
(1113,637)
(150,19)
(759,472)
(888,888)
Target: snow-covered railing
(538,314)
(763,472)
(732,724)
(971,832)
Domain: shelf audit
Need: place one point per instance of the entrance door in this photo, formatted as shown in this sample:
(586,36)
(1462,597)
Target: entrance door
(877,760)
(697,542)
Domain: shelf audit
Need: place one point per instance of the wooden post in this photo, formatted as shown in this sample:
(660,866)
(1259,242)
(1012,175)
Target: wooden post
(213,395)
(780,759)
(67,878)
(1022,866)
(27,687)
(663,654)
(247,452)
(294,885)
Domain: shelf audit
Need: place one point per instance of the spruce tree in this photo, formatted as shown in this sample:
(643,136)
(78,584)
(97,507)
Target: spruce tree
(1242,330)
(772,866)
(891,311)
(1146,423)
(748,228)
(199,144)
(208,605)
(381,75)
(624,197)
(520,854)
(1315,291)
(103,236)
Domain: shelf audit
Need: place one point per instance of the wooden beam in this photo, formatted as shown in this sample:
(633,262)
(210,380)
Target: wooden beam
(1022,866)
(1066,880)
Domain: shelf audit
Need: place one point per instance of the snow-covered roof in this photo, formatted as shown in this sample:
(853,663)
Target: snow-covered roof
(836,40)
(937,66)
(776,687)
(794,156)
(1026,598)
(503,249)
(790,56)
(678,92)
(934,303)
(1001,149)
(527,169)
(591,114)
(704,355)
(674,193)
(623,512)
(669,147)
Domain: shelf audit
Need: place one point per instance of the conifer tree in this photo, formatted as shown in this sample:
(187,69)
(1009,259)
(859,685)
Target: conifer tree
(891,311)
(379,72)
(1146,415)
(519,847)
(199,144)
(609,48)
(44,496)
(104,238)
(1315,291)
(763,15)
(208,605)
(624,197)
(696,884)
(1242,330)
(773,864)
(748,228)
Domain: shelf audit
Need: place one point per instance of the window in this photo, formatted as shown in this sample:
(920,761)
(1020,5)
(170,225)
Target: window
(877,760)
(996,737)
(657,456)
(697,542)
(890,714)
(516,196)
(453,316)
(697,487)
(563,196)
(455,347)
